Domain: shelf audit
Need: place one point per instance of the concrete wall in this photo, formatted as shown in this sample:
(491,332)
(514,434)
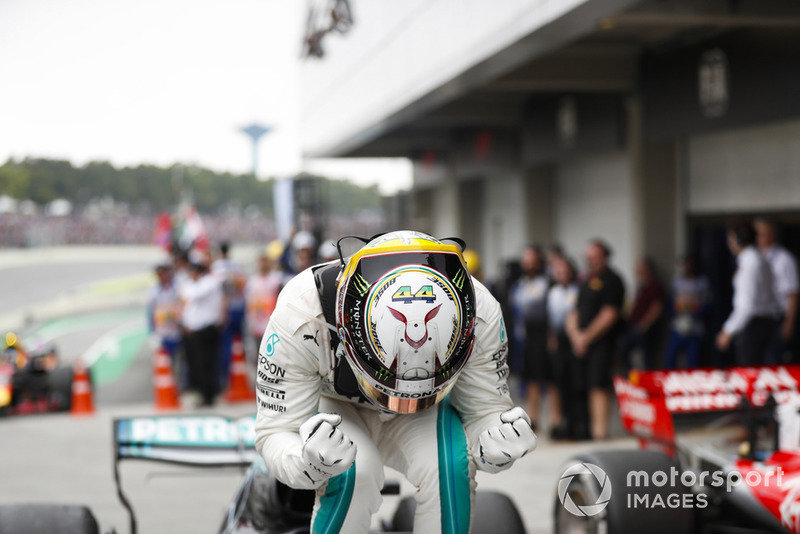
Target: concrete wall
(472,208)
(504,227)
(569,204)
(540,208)
(400,50)
(594,199)
(499,232)
(444,212)
(748,169)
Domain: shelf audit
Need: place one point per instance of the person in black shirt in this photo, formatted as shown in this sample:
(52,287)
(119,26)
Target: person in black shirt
(591,328)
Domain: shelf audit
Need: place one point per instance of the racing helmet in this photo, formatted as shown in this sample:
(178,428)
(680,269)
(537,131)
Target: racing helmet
(473,261)
(275,249)
(11,340)
(405,315)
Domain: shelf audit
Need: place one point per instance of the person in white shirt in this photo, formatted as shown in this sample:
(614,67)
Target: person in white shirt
(201,318)
(752,321)
(785,279)
(394,357)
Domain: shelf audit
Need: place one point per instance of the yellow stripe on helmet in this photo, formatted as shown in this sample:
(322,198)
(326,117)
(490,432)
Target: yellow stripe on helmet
(397,245)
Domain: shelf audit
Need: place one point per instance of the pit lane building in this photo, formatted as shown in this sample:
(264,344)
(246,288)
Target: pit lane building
(650,123)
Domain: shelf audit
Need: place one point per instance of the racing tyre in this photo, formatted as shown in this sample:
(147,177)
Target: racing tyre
(47,519)
(593,496)
(494,513)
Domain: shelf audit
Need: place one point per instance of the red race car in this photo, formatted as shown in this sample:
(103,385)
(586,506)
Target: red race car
(741,474)
(33,380)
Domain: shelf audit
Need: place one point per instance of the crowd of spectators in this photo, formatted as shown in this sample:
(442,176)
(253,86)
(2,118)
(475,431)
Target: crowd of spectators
(571,330)
(204,302)
(571,327)
(18,230)
(34,230)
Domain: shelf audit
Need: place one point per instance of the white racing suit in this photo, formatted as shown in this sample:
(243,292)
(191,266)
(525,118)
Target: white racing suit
(436,449)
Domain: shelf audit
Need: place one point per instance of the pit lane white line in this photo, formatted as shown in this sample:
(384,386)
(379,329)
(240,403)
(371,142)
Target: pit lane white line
(108,343)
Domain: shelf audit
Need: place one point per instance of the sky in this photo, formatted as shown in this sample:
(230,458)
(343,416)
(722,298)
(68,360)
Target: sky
(162,82)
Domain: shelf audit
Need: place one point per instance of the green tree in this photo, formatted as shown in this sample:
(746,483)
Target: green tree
(14,180)
(43,181)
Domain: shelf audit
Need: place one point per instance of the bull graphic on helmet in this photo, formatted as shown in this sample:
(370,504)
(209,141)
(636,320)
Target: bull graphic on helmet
(414,359)
(405,311)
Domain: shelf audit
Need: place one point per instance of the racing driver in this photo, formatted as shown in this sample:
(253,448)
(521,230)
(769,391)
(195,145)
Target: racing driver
(394,356)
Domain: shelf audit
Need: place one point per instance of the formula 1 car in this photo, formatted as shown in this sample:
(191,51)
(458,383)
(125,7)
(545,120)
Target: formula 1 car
(741,475)
(33,381)
(262,504)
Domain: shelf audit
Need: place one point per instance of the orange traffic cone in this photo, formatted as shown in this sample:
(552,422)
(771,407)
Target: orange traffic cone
(82,401)
(164,387)
(238,389)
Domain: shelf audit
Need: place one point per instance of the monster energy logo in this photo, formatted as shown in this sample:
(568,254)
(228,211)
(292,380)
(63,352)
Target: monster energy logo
(361,285)
(446,370)
(458,280)
(382,374)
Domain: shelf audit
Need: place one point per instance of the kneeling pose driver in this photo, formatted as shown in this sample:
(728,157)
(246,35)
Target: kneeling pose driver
(396,357)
